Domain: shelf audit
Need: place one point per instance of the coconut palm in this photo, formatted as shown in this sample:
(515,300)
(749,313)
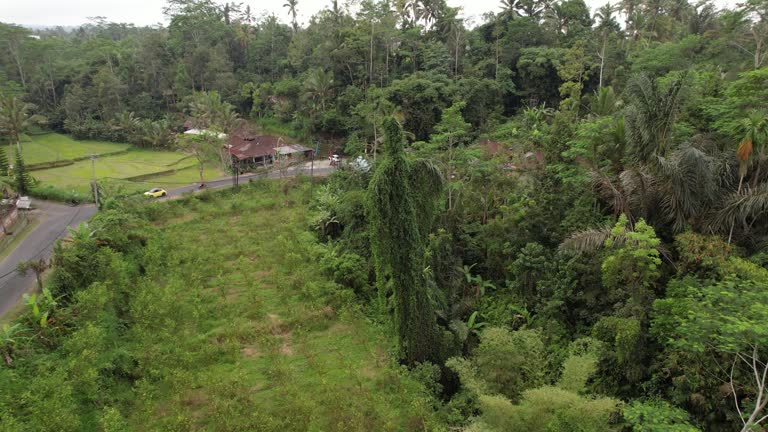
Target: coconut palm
(15,119)
(509,9)
(291,5)
(604,17)
(318,87)
(209,110)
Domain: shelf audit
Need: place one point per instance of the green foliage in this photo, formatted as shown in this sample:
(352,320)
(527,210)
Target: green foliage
(504,363)
(632,267)
(657,416)
(23,182)
(398,242)
(546,409)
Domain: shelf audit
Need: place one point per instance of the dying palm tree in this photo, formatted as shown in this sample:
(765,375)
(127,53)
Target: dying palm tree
(291,5)
(754,132)
(15,119)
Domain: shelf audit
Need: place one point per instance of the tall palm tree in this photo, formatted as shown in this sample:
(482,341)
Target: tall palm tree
(291,5)
(15,119)
(604,16)
(509,9)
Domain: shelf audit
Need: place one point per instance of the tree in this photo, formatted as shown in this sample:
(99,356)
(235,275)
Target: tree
(650,116)
(401,199)
(203,147)
(5,169)
(15,118)
(451,133)
(209,110)
(22,178)
(725,319)
(38,266)
(291,5)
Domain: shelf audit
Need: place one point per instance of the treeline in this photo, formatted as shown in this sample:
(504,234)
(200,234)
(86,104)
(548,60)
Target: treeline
(343,73)
(596,263)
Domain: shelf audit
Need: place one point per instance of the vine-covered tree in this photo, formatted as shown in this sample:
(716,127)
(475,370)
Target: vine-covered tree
(401,199)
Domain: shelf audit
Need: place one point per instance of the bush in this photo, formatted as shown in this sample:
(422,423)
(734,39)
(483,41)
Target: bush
(52,193)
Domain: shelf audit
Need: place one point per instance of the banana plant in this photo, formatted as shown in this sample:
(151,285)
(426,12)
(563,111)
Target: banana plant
(41,306)
(9,336)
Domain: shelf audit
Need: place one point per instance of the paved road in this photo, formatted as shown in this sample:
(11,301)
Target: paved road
(55,218)
(321,170)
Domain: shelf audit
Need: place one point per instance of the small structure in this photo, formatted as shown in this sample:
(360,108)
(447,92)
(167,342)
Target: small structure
(293,151)
(204,132)
(24,203)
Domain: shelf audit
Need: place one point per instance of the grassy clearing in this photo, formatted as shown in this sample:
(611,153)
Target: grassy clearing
(53,147)
(214,317)
(273,344)
(136,162)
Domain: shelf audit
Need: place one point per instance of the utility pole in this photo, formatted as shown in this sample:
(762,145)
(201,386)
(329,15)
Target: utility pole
(95,184)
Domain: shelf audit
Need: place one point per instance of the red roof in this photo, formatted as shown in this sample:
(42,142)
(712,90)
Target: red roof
(245,144)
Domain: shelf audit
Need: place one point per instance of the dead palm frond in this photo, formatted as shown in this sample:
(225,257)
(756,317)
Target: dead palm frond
(742,209)
(687,185)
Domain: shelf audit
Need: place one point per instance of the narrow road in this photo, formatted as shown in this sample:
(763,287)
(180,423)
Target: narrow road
(55,218)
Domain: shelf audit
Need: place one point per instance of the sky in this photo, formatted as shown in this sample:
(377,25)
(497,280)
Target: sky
(148,12)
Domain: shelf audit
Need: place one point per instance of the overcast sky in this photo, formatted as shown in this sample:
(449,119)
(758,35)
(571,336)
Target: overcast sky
(148,12)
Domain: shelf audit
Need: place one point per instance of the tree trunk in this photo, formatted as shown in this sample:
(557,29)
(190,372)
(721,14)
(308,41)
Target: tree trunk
(602,62)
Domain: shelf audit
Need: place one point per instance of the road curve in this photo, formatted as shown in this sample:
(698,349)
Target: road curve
(55,218)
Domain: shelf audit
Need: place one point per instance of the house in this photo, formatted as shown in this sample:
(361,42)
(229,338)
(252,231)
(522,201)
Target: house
(250,150)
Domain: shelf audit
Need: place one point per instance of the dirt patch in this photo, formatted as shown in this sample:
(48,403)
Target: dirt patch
(285,348)
(180,219)
(232,295)
(368,371)
(250,351)
(195,398)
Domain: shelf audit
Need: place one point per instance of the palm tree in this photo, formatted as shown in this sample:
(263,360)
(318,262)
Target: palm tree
(15,119)
(509,9)
(604,16)
(650,116)
(209,110)
(291,5)
(318,87)
(754,132)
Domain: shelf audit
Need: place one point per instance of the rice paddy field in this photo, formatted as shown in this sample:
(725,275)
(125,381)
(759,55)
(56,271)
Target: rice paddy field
(52,147)
(167,169)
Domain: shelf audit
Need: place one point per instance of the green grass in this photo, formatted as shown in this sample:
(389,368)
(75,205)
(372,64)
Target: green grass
(290,354)
(53,147)
(117,168)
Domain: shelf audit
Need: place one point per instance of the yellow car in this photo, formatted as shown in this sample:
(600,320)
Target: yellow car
(156,193)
